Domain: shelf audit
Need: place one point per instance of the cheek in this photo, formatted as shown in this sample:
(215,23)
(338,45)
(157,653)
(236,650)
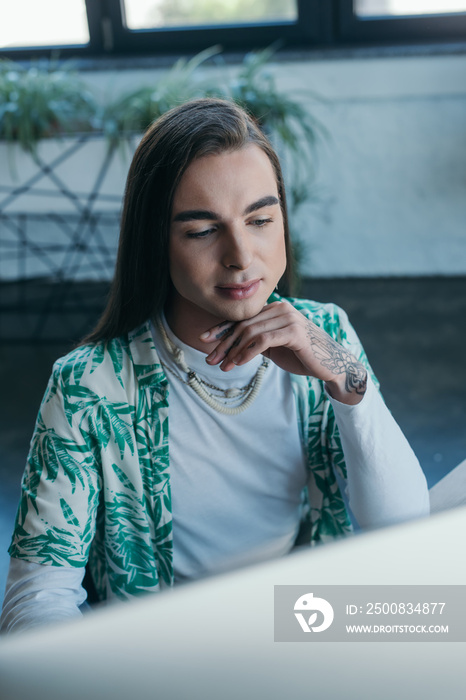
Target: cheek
(186,268)
(280,255)
(177,268)
(178,261)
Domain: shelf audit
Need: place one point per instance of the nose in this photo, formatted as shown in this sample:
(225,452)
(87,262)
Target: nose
(237,247)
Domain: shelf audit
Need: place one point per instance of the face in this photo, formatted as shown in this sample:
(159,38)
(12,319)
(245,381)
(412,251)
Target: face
(227,241)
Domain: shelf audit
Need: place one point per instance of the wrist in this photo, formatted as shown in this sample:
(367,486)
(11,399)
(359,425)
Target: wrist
(349,387)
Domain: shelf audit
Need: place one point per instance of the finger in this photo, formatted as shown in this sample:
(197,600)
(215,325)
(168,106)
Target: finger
(255,344)
(217,332)
(285,327)
(221,351)
(260,345)
(241,334)
(221,329)
(229,336)
(230,347)
(287,330)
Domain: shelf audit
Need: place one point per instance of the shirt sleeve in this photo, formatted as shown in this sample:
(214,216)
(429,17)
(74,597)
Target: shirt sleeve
(37,595)
(385,483)
(56,518)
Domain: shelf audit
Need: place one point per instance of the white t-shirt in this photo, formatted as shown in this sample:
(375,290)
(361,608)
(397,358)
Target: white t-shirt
(236,480)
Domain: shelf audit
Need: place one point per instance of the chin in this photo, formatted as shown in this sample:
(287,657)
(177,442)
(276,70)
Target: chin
(244,311)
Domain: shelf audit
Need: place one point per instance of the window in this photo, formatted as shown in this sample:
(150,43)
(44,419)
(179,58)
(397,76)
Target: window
(396,21)
(122,27)
(149,26)
(152,14)
(44,23)
(397,8)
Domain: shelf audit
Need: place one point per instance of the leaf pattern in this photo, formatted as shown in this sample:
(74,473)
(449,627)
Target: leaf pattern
(68,514)
(97,483)
(51,451)
(101,418)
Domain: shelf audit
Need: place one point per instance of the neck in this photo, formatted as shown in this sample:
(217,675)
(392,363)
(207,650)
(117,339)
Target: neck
(188,322)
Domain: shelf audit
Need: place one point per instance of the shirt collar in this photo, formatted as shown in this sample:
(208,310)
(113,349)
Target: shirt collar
(146,361)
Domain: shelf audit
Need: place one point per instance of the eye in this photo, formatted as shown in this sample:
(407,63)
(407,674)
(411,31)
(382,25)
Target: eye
(200,234)
(261,222)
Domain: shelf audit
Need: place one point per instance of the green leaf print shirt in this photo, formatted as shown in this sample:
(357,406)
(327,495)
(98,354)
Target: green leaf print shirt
(97,481)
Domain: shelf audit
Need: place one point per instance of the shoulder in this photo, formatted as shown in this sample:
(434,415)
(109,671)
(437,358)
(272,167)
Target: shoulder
(98,359)
(112,367)
(108,367)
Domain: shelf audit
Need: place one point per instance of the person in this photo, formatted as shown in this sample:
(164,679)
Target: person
(209,421)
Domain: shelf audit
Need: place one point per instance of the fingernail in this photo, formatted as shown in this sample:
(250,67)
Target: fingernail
(211,357)
(237,360)
(205,335)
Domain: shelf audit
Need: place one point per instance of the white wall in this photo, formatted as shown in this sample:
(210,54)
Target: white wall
(394,174)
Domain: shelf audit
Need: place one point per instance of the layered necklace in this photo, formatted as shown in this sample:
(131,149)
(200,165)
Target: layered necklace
(205,390)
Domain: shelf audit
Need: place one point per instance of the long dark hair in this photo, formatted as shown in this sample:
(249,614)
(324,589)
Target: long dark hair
(141,284)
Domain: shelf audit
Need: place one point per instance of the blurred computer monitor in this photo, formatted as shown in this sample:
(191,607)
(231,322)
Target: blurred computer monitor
(214,639)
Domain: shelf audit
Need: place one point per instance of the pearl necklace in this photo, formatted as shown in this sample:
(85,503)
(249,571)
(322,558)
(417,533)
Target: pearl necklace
(200,386)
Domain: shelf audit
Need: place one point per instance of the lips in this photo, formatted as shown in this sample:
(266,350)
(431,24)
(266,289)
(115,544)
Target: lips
(239,291)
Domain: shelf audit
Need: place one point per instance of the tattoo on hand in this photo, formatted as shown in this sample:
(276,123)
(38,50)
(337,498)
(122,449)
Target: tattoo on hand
(338,360)
(225,333)
(235,344)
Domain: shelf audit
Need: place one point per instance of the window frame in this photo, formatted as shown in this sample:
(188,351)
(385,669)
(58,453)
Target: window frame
(109,36)
(401,29)
(305,30)
(321,24)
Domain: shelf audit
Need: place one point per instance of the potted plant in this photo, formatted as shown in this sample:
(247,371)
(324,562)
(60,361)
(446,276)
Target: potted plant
(133,111)
(43,101)
(47,114)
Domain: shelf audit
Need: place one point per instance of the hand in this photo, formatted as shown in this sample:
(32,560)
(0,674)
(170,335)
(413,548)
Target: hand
(283,334)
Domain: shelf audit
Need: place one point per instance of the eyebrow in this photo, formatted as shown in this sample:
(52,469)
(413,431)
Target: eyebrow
(207,215)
